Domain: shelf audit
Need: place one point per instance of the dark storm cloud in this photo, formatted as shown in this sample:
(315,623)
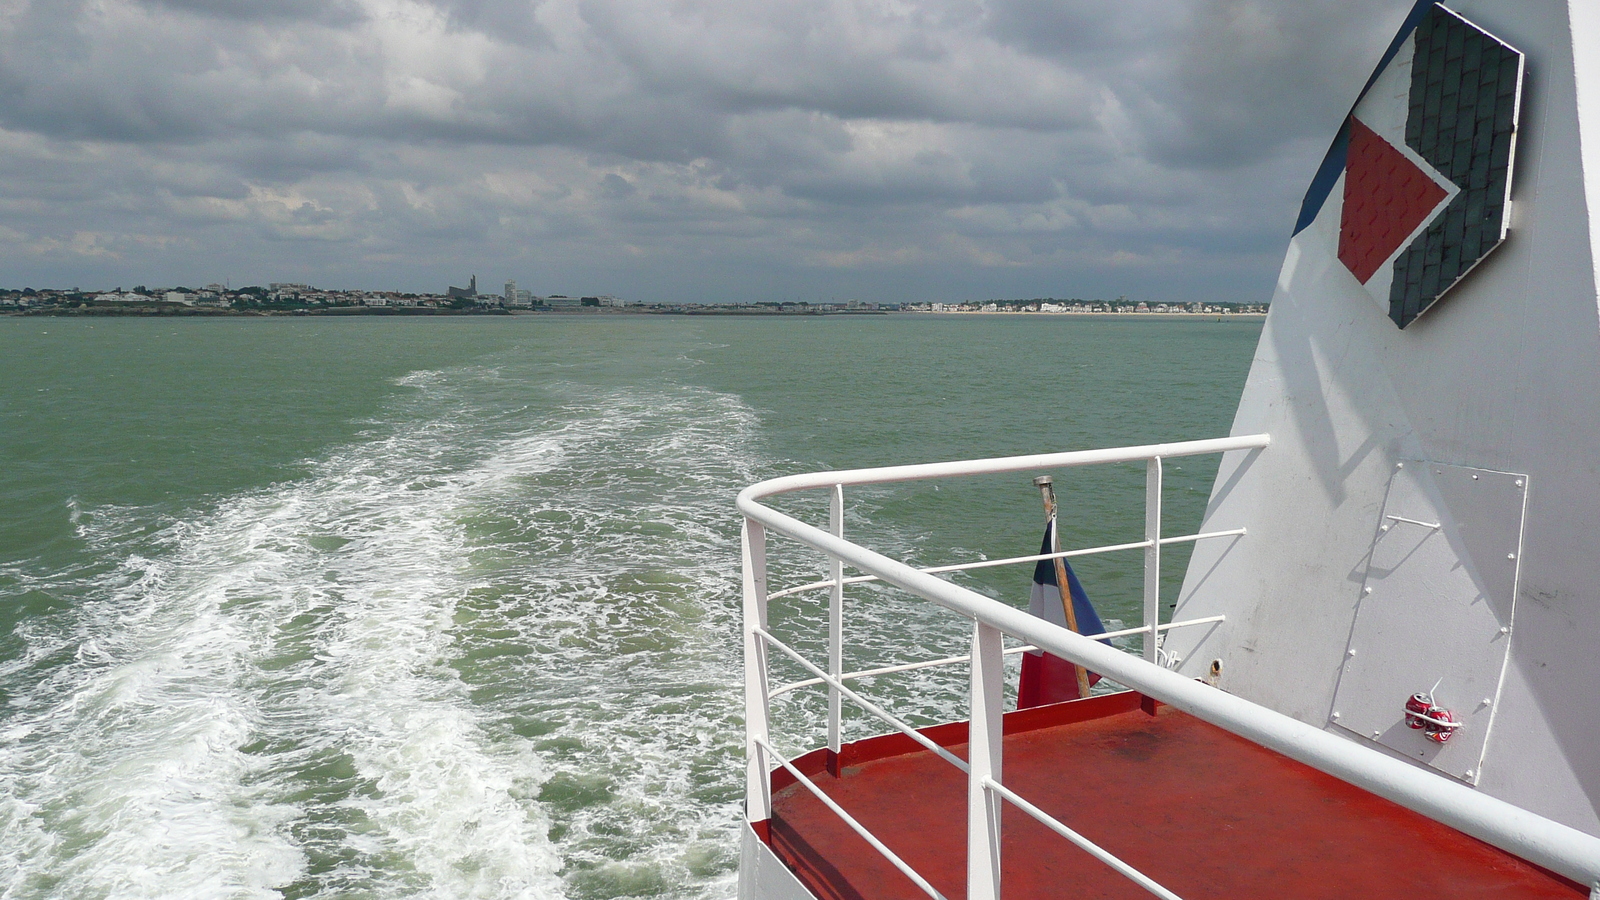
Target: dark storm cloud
(328,12)
(1252,76)
(598,145)
(1088,31)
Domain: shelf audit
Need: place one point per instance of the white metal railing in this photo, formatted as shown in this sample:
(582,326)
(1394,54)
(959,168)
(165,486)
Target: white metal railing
(1556,847)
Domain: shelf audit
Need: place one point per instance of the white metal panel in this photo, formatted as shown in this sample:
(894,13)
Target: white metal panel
(762,875)
(1436,610)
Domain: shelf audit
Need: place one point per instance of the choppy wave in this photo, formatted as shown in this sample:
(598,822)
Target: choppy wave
(475,653)
(488,646)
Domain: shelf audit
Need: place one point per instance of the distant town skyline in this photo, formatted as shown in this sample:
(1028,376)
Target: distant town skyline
(948,150)
(280,298)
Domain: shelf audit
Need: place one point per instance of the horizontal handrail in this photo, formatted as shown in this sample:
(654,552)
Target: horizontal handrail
(1088,846)
(1204,535)
(1009,651)
(1557,847)
(888,719)
(850,820)
(1000,465)
(1014,560)
(1129,632)
(892,670)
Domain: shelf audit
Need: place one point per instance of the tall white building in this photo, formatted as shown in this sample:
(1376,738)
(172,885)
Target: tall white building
(515,296)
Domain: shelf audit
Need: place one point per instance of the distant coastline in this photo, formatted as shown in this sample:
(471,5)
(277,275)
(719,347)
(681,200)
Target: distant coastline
(304,300)
(427,312)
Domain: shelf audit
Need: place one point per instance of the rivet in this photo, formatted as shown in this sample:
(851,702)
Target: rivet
(1350,652)
(1377,734)
(1505,629)
(1519,482)
(1488,701)
(1366,590)
(1438,471)
(1511,556)
(1399,465)
(1474,478)
(1336,714)
(1383,527)
(1470,774)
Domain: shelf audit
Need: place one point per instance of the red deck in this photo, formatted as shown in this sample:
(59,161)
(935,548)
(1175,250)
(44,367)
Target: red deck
(1207,814)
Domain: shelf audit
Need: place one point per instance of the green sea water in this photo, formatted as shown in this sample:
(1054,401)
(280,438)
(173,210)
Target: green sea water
(380,607)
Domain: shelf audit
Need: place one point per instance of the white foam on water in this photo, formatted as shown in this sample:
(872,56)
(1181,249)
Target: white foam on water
(138,758)
(620,587)
(483,651)
(264,698)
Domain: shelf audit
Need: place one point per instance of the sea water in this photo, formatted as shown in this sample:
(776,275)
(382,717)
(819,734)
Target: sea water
(387,607)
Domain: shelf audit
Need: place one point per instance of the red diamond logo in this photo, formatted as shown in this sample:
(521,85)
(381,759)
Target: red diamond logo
(1386,196)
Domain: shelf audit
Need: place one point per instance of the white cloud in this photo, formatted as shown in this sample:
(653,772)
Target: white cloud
(664,149)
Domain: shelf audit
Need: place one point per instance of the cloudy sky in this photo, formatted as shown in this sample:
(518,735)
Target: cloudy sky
(670,150)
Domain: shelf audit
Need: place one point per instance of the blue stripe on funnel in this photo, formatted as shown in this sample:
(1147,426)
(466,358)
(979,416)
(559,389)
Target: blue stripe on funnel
(1333,162)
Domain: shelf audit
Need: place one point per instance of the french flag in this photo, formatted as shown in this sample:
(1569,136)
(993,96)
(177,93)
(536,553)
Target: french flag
(1046,678)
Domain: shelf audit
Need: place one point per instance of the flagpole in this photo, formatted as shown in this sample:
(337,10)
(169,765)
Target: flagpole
(1046,486)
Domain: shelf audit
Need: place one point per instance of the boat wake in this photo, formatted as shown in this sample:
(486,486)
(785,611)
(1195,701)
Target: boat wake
(481,651)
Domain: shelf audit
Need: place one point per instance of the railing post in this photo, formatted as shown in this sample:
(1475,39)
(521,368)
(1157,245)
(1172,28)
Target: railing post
(836,622)
(1152,557)
(758,786)
(984,755)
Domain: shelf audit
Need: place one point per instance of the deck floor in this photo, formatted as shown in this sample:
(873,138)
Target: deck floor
(1205,813)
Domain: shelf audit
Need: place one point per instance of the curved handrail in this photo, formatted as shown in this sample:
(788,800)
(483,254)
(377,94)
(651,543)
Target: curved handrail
(999,465)
(1544,842)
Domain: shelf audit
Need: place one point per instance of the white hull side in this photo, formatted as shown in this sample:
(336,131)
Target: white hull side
(762,876)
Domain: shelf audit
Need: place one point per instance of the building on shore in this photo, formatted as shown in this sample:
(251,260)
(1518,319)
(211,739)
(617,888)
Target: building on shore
(516,297)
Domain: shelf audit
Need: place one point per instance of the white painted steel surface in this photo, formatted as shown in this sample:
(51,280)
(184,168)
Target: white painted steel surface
(835,620)
(1435,611)
(1504,374)
(954,660)
(882,714)
(1544,842)
(1152,558)
(1000,465)
(758,786)
(985,760)
(762,875)
(1014,560)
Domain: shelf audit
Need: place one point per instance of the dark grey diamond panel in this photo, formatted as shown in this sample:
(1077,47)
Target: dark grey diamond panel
(1462,121)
